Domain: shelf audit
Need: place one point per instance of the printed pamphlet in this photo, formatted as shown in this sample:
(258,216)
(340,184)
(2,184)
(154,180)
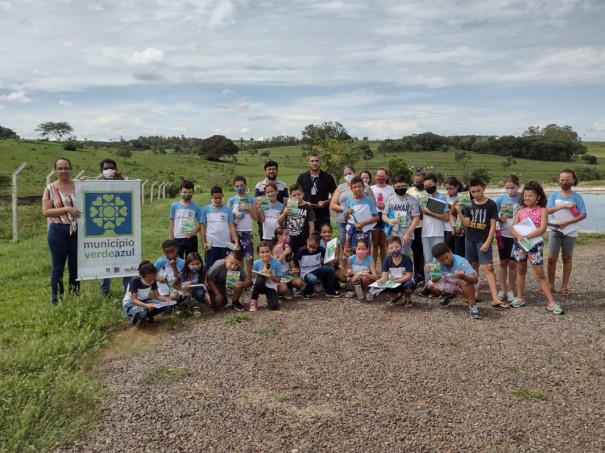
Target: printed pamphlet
(464,199)
(232,278)
(292,203)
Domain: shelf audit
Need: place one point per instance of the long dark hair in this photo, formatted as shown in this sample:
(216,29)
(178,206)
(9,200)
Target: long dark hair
(536,187)
(194,256)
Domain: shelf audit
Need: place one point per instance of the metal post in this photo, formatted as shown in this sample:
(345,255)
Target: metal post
(151,194)
(160,189)
(164,191)
(143,191)
(15,203)
(48,176)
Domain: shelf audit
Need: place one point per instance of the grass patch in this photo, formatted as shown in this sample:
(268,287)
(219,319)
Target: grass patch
(515,370)
(452,341)
(165,375)
(584,238)
(236,318)
(268,332)
(283,397)
(530,394)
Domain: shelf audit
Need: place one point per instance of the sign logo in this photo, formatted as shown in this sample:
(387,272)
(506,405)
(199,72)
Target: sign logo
(108,214)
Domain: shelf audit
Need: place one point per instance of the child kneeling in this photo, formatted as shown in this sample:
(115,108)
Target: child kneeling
(397,268)
(268,275)
(309,269)
(361,272)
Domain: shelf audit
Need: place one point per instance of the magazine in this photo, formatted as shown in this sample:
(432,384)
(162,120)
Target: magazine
(435,205)
(562,215)
(331,247)
(525,227)
(434,270)
(387,284)
(292,203)
(232,279)
(464,200)
(263,202)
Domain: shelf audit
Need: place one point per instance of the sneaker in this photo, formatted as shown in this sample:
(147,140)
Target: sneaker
(197,311)
(556,309)
(289,294)
(178,310)
(433,296)
(517,302)
(510,296)
(333,294)
(425,292)
(237,305)
(446,300)
(474,312)
(306,296)
(501,295)
(349,294)
(252,306)
(369,297)
(150,321)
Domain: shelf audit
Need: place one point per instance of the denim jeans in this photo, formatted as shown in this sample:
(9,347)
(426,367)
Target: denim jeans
(106,284)
(63,248)
(324,273)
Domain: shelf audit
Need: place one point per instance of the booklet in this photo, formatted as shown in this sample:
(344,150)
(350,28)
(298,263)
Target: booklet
(507,209)
(331,247)
(292,203)
(232,279)
(525,227)
(387,284)
(230,246)
(361,214)
(422,199)
(435,205)
(434,269)
(464,199)
(164,304)
(263,202)
(562,215)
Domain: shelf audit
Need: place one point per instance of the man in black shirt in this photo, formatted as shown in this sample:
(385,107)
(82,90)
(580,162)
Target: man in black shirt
(318,187)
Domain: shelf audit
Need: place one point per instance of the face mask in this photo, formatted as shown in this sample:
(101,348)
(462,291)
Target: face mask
(217,205)
(396,252)
(195,268)
(273,198)
(108,173)
(565,186)
(240,190)
(285,240)
(431,190)
(362,253)
(512,192)
(419,187)
(381,179)
(348,178)
(400,191)
(187,197)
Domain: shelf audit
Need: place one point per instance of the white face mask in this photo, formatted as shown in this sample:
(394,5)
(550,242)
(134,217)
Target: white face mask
(348,178)
(108,173)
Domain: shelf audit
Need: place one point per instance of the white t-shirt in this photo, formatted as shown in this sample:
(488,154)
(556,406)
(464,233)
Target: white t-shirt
(386,191)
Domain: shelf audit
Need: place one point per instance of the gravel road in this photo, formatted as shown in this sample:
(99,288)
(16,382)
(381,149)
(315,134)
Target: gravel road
(341,375)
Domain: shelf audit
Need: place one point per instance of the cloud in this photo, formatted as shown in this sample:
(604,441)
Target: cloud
(149,56)
(6,6)
(241,106)
(597,126)
(64,103)
(179,129)
(16,96)
(227,92)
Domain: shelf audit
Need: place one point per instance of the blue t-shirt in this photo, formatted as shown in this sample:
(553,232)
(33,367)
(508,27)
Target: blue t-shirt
(575,198)
(217,222)
(186,218)
(509,205)
(458,263)
(358,204)
(244,223)
(363,266)
(259,266)
(164,270)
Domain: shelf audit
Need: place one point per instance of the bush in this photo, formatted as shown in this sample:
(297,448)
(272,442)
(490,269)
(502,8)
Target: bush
(588,174)
(398,167)
(70,145)
(589,159)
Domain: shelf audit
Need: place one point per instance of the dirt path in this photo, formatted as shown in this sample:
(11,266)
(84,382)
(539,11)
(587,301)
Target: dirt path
(340,375)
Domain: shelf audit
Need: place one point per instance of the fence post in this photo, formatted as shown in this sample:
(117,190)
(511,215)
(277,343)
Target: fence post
(160,189)
(79,174)
(48,176)
(164,190)
(151,194)
(143,191)
(16,202)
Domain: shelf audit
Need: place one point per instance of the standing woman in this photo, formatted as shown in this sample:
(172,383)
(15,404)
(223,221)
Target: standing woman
(382,192)
(561,237)
(58,207)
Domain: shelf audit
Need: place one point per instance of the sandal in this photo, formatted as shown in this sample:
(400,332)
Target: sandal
(565,291)
(500,306)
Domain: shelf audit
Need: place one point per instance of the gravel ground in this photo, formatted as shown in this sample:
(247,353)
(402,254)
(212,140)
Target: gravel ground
(341,375)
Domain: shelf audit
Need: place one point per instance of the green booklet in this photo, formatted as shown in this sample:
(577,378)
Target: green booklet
(293,205)
(507,209)
(423,198)
(464,199)
(434,271)
(263,202)
(232,279)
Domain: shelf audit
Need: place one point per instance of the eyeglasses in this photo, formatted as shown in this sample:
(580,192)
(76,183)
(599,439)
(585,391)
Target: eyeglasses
(63,168)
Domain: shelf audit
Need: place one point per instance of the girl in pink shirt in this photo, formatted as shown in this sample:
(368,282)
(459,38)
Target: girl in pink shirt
(534,208)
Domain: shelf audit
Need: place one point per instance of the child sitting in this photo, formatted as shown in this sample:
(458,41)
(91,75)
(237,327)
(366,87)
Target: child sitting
(454,276)
(282,252)
(270,276)
(309,269)
(397,268)
(141,296)
(193,274)
(217,281)
(361,272)
(169,267)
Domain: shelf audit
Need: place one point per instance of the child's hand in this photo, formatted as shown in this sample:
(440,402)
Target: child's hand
(484,248)
(288,210)
(503,218)
(161,279)
(296,271)
(207,246)
(149,306)
(350,211)
(459,274)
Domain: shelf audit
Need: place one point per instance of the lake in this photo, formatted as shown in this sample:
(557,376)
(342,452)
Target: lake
(595,207)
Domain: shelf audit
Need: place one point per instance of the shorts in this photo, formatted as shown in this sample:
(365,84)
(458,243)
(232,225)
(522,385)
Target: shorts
(409,285)
(446,287)
(506,252)
(473,253)
(557,241)
(536,254)
(245,244)
(380,224)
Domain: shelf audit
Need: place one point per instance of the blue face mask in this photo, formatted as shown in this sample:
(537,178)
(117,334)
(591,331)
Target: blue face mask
(240,190)
(195,268)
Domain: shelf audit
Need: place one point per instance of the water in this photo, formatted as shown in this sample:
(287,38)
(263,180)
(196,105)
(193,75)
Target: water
(595,207)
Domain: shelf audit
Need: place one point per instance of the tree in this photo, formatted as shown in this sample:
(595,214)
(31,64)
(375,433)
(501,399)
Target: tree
(335,154)
(480,173)
(399,167)
(462,158)
(508,162)
(6,133)
(125,149)
(218,146)
(57,130)
(319,134)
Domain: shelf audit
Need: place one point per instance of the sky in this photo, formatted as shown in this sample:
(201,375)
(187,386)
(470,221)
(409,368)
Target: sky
(254,69)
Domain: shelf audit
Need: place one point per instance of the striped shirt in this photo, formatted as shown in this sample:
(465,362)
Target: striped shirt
(60,200)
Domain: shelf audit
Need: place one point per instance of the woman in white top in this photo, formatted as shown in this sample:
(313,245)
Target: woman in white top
(382,192)
(58,207)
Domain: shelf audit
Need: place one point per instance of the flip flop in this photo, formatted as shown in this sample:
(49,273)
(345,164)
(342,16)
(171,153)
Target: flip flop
(565,291)
(500,306)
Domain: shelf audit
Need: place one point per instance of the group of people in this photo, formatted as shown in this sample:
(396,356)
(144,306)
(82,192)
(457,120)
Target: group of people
(449,236)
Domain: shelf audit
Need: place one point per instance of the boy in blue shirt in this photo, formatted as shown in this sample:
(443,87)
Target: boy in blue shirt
(455,277)
(217,228)
(244,211)
(359,212)
(168,268)
(266,284)
(185,218)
